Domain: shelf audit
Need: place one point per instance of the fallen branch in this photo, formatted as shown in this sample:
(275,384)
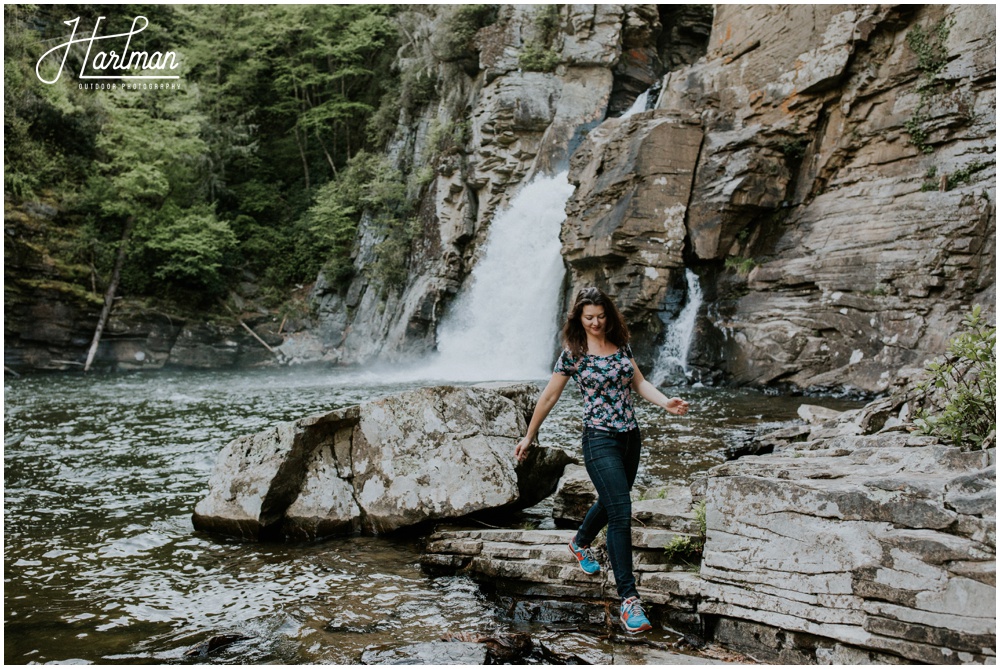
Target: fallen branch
(249,329)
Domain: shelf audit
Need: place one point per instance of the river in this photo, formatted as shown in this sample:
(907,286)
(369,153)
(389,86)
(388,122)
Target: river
(102,565)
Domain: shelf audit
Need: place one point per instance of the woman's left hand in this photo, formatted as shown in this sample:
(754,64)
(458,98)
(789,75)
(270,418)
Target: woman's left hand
(676,406)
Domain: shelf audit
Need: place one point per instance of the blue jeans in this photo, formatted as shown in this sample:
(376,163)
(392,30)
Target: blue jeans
(612,460)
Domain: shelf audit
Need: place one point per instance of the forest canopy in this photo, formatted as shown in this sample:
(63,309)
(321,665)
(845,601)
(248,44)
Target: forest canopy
(253,165)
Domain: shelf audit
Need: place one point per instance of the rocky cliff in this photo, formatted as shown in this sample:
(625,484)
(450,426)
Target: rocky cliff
(829,173)
(523,116)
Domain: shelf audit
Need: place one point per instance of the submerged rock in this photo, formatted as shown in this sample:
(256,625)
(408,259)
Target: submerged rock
(431,453)
(430,652)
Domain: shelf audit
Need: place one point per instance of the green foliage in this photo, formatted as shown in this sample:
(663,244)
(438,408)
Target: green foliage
(454,41)
(211,193)
(535,58)
(794,149)
(932,56)
(742,266)
(369,186)
(960,395)
(540,55)
(683,549)
(700,516)
(417,89)
(688,549)
(964,175)
(188,247)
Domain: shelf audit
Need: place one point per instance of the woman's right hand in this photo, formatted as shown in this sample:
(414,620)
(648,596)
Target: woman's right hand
(521,451)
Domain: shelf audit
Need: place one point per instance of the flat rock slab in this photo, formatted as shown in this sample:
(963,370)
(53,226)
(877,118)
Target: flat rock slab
(640,655)
(538,563)
(879,541)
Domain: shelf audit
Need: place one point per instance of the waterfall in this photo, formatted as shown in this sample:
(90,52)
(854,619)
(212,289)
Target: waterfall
(504,325)
(638,106)
(672,359)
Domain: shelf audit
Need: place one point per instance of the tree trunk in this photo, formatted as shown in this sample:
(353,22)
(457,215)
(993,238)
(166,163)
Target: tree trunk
(302,152)
(329,158)
(109,296)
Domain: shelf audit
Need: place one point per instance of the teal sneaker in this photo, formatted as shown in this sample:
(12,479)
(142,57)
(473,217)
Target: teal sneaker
(585,557)
(634,619)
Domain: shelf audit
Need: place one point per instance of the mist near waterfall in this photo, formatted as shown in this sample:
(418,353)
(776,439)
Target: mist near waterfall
(504,324)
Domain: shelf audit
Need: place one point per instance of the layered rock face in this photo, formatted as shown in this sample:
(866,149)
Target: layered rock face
(841,211)
(625,222)
(426,454)
(855,542)
(860,189)
(520,122)
(882,541)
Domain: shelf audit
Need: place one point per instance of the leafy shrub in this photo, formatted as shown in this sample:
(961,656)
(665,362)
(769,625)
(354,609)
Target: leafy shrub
(688,549)
(535,58)
(454,40)
(541,55)
(742,266)
(960,395)
(932,56)
(371,185)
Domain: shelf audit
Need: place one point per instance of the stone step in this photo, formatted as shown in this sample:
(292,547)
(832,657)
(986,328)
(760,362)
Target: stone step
(470,542)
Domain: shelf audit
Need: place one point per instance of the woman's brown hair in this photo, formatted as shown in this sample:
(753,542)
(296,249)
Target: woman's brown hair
(573,335)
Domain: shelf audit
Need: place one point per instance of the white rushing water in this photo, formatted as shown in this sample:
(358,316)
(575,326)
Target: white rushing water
(638,106)
(672,360)
(504,324)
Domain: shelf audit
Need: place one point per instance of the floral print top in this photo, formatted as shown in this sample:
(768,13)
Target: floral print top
(606,384)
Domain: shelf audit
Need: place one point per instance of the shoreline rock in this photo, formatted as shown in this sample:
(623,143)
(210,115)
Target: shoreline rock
(426,454)
(855,541)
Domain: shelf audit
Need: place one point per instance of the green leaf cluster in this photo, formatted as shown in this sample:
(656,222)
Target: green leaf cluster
(742,266)
(540,55)
(454,41)
(221,177)
(369,186)
(960,395)
(688,549)
(932,56)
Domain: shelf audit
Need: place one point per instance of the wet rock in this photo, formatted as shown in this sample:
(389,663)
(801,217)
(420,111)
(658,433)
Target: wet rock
(205,347)
(743,443)
(538,565)
(431,652)
(501,648)
(430,453)
(574,496)
(258,476)
(204,649)
(814,415)
(574,649)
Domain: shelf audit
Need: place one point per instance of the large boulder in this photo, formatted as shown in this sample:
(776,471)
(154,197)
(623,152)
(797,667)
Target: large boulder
(425,454)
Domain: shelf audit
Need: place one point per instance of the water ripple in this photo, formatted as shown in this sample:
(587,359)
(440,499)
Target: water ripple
(102,563)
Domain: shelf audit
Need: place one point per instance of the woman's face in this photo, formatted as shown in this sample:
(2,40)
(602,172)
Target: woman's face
(593,319)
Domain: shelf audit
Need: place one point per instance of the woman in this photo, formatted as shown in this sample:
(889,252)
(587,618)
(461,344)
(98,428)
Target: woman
(598,357)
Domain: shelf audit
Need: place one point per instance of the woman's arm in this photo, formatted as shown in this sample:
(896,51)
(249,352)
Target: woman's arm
(648,391)
(547,400)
